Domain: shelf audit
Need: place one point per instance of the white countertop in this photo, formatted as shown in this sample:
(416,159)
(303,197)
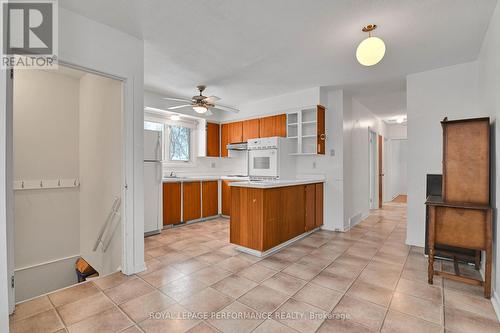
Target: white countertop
(277,183)
(186,179)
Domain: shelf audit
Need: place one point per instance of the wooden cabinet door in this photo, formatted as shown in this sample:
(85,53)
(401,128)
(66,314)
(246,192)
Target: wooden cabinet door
(210,198)
(321,130)
(191,201)
(310,214)
(251,129)
(171,203)
(236,132)
(226,198)
(224,139)
(319,205)
(213,141)
(293,211)
(272,126)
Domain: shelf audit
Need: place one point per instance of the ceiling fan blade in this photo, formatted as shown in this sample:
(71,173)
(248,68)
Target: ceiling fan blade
(179,106)
(227,108)
(176,99)
(211,99)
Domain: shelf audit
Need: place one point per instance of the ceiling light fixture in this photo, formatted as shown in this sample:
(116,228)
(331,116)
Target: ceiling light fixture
(200,109)
(175,117)
(372,49)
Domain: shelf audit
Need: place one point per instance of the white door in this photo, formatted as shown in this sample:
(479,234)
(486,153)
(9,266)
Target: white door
(9,191)
(152,197)
(152,145)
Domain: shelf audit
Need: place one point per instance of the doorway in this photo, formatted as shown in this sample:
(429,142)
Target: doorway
(68,176)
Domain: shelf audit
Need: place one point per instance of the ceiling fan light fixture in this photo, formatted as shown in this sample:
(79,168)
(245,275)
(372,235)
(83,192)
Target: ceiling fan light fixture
(372,49)
(200,109)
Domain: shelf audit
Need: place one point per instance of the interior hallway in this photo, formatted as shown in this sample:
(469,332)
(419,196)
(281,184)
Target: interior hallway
(369,274)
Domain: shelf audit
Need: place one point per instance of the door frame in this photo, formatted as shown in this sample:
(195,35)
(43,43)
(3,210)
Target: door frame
(372,168)
(380,155)
(132,227)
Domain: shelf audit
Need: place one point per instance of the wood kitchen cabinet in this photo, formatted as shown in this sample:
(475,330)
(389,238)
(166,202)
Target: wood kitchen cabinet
(310,211)
(320,130)
(191,201)
(171,203)
(210,198)
(263,218)
(251,129)
(319,199)
(272,126)
(226,198)
(224,139)
(213,142)
(236,132)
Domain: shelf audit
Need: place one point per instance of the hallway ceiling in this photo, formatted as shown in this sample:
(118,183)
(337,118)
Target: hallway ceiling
(248,50)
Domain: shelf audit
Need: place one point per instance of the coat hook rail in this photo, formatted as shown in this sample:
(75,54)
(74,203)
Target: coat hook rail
(44,184)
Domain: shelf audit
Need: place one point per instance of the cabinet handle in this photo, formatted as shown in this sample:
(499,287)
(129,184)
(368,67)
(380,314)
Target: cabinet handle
(322,137)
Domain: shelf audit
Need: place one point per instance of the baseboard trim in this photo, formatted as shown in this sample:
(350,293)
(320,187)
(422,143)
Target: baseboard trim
(274,249)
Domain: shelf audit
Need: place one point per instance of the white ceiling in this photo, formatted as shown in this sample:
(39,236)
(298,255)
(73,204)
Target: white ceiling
(249,50)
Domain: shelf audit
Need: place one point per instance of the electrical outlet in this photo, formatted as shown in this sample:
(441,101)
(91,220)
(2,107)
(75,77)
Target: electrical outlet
(332,152)
(314,165)
(212,165)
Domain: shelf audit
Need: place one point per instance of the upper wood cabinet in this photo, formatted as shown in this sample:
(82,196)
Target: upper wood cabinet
(320,129)
(251,129)
(236,132)
(224,139)
(213,130)
(171,203)
(210,198)
(272,126)
(191,201)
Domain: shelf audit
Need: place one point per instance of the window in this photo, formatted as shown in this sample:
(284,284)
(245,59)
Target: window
(179,143)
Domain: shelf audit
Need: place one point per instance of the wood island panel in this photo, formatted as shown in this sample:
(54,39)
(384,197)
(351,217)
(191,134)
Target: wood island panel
(262,219)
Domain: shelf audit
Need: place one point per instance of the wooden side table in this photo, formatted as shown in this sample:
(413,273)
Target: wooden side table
(461,225)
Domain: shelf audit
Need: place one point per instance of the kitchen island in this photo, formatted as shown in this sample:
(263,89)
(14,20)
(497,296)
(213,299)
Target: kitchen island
(269,215)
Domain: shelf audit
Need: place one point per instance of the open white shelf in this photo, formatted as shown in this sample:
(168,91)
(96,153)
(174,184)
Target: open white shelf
(302,127)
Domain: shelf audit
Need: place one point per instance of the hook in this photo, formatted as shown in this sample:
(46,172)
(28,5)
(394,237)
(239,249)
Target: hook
(58,182)
(22,184)
(74,183)
(41,183)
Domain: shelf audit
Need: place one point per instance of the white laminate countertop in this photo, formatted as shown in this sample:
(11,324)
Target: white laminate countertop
(277,183)
(185,179)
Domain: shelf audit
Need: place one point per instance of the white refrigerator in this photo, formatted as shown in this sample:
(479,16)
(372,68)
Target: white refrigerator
(153,175)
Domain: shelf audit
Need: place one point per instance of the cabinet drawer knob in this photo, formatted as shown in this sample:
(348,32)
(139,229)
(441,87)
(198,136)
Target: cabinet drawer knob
(322,137)
(254,200)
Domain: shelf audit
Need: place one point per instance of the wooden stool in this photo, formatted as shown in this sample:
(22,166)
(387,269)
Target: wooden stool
(466,226)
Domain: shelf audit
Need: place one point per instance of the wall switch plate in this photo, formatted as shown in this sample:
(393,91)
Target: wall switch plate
(212,165)
(314,165)
(332,152)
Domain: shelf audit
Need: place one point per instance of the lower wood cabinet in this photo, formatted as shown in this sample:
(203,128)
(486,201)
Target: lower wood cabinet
(226,198)
(210,198)
(191,201)
(264,218)
(172,203)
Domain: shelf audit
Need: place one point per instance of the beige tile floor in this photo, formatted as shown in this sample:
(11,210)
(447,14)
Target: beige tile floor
(367,276)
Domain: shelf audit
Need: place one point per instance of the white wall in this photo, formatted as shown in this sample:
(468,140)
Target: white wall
(45,147)
(489,99)
(397,175)
(397,131)
(362,120)
(446,92)
(101,169)
(95,46)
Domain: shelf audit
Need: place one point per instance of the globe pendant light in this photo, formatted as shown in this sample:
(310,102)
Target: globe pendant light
(371,50)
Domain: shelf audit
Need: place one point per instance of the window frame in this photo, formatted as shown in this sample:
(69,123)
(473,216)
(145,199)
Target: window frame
(191,124)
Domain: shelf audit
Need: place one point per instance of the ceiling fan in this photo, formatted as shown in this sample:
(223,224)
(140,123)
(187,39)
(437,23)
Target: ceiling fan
(201,104)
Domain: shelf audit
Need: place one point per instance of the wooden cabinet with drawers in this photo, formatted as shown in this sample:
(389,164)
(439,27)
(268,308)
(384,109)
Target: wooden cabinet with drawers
(226,198)
(191,201)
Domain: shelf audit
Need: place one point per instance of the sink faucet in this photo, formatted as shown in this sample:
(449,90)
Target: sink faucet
(172,174)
